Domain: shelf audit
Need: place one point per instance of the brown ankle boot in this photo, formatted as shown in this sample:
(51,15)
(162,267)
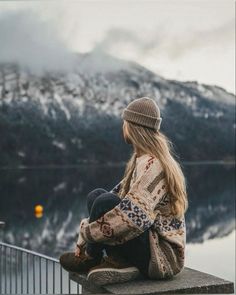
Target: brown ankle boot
(79,264)
(112,269)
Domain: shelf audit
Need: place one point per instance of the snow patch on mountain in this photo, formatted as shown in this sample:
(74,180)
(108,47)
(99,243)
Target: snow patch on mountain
(58,144)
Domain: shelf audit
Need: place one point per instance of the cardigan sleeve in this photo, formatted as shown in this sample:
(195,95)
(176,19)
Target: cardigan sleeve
(80,241)
(133,215)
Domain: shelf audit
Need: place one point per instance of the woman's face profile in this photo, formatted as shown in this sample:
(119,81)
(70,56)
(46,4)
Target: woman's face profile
(125,133)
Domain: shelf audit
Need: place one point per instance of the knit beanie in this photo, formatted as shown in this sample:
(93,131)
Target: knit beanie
(143,111)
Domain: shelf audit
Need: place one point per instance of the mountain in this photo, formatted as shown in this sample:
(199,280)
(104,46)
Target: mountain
(57,118)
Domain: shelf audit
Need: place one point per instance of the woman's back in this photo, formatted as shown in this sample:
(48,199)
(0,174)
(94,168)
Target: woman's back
(167,233)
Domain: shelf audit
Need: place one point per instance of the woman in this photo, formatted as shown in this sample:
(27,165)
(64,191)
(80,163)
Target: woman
(140,223)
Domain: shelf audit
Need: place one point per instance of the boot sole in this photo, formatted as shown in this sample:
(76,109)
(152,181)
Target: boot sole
(110,275)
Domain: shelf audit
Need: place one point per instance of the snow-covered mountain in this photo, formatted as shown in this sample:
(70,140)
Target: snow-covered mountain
(69,118)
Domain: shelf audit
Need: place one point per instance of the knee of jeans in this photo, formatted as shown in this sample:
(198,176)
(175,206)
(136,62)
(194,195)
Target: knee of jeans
(107,198)
(91,197)
(96,192)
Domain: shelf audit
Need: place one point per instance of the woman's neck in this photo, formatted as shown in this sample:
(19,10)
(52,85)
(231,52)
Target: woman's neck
(138,152)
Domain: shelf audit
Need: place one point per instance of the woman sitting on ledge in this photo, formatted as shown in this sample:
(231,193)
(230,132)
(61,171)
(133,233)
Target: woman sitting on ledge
(140,223)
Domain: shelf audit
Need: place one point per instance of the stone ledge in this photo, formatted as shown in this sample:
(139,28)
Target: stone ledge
(189,281)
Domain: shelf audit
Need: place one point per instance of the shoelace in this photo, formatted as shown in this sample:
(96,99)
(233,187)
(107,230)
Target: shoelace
(105,259)
(111,260)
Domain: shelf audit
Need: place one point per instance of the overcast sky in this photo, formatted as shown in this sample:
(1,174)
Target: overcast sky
(183,40)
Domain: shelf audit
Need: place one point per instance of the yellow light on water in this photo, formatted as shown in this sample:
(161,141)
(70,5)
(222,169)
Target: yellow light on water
(38,211)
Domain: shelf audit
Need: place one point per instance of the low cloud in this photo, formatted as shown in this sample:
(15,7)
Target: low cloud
(36,44)
(174,44)
(33,43)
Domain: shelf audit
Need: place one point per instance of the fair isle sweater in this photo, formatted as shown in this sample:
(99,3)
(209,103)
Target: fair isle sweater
(146,206)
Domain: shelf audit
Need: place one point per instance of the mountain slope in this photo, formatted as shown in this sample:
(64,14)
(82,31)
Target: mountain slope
(69,118)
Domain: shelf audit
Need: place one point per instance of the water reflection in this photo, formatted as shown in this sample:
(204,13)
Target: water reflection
(62,194)
(215,256)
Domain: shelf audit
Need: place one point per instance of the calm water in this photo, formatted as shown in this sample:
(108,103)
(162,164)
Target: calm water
(210,219)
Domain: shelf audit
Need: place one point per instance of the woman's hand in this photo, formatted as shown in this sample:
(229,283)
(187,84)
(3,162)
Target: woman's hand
(77,251)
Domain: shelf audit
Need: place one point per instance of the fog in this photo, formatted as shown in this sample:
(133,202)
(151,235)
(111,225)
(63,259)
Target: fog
(32,43)
(188,40)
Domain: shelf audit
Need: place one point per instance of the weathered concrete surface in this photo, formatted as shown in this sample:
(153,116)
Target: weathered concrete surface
(87,288)
(189,281)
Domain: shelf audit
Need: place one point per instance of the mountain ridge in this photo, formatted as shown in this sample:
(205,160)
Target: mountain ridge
(77,115)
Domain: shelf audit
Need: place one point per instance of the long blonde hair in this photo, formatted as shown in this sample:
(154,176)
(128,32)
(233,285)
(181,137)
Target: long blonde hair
(149,141)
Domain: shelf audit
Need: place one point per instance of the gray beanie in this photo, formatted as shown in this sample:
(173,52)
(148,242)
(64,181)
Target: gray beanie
(143,111)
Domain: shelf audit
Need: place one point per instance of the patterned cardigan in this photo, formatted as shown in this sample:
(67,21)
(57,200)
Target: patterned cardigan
(146,206)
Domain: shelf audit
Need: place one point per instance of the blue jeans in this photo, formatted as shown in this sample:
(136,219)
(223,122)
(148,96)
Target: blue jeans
(136,251)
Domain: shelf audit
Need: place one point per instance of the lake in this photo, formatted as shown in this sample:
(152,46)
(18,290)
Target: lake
(210,219)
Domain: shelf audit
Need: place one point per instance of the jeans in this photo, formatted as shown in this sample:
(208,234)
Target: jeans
(136,251)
